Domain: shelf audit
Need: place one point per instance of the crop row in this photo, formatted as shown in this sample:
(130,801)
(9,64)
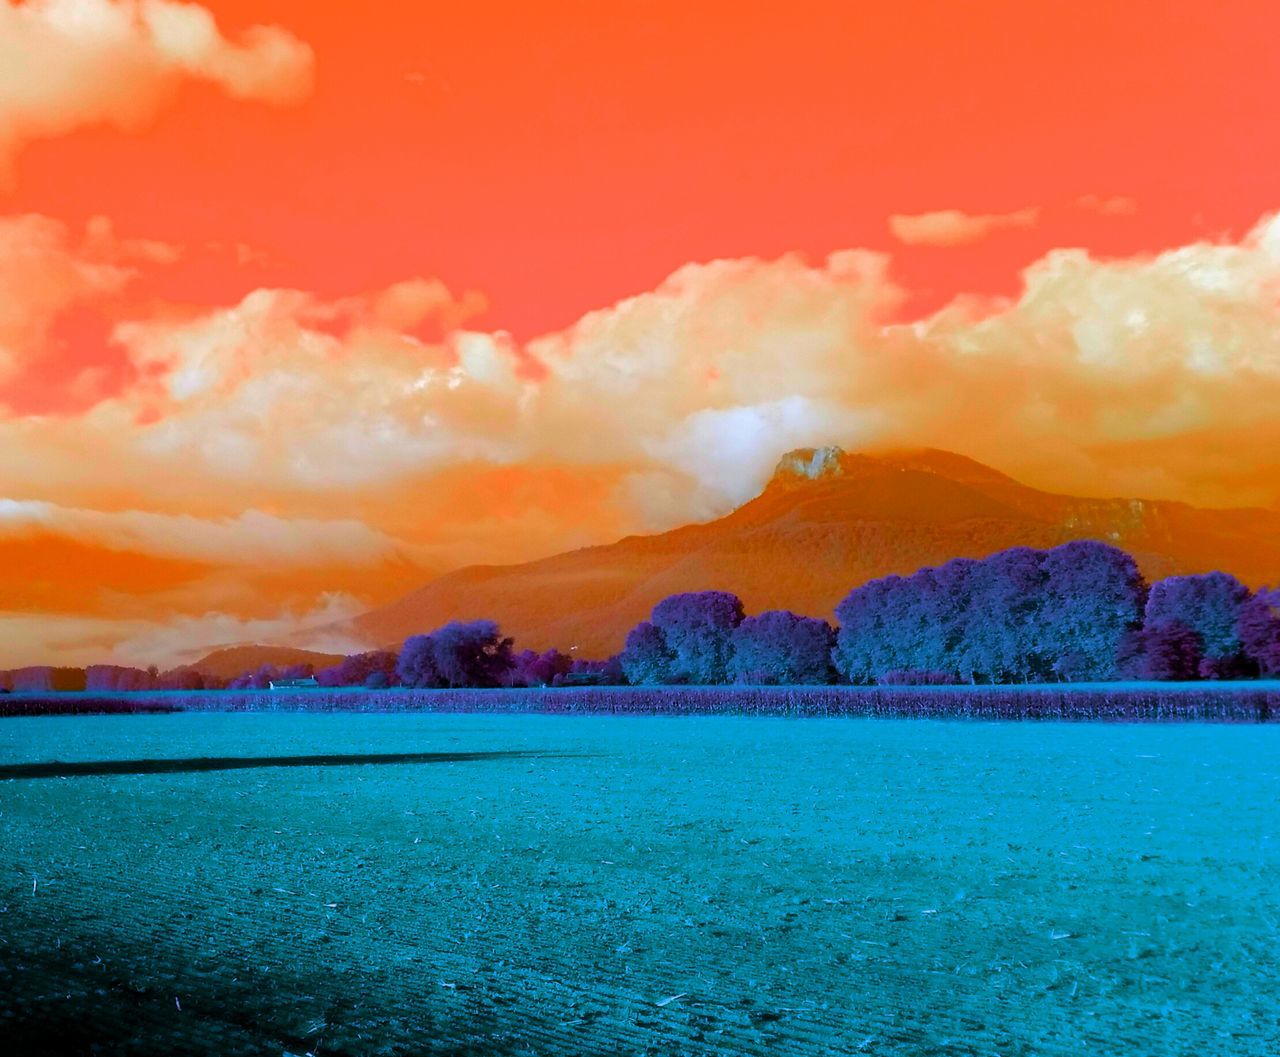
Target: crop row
(1239,702)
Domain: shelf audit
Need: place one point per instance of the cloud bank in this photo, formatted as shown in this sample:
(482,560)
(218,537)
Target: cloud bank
(951,227)
(252,538)
(374,436)
(181,639)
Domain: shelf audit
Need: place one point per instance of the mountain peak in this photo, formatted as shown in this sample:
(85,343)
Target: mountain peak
(824,463)
(810,464)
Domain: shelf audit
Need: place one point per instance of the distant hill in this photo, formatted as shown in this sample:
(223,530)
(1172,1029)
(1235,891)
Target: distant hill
(231,661)
(827,522)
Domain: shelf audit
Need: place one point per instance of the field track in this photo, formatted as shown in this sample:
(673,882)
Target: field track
(522,884)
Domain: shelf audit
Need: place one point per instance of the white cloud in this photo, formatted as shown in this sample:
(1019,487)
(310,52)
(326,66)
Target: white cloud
(709,377)
(66,64)
(181,639)
(184,639)
(731,452)
(251,538)
(285,391)
(951,227)
(44,271)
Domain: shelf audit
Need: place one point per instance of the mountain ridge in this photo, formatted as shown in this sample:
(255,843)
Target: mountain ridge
(827,521)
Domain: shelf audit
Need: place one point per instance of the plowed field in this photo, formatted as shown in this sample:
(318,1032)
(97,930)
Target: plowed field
(523,884)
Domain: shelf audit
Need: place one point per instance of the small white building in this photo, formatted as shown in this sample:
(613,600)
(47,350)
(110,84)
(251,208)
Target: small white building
(294,684)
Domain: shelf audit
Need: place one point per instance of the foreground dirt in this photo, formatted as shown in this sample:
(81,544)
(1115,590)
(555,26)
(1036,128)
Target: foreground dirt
(534,885)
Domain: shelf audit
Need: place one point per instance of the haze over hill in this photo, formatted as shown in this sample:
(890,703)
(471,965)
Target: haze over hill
(826,522)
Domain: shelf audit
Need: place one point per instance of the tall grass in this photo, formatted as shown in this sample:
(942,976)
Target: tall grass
(73,704)
(1237,702)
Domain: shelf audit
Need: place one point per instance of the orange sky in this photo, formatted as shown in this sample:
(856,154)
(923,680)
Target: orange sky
(385,175)
(559,156)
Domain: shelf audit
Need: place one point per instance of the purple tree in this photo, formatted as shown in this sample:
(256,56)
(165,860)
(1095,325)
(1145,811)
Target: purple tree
(997,624)
(116,677)
(359,669)
(185,679)
(698,629)
(1170,651)
(379,667)
(916,677)
(646,657)
(1259,630)
(868,642)
(258,679)
(44,677)
(1212,605)
(472,653)
(417,664)
(1094,596)
(608,672)
(460,654)
(134,679)
(781,647)
(530,668)
(1232,666)
(945,640)
(263,677)
(915,624)
(1019,614)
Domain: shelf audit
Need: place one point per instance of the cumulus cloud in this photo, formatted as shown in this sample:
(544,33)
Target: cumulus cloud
(66,64)
(951,227)
(47,269)
(705,379)
(322,395)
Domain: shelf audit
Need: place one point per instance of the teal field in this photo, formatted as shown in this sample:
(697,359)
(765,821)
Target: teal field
(529,884)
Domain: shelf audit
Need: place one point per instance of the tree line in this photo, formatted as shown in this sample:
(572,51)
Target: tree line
(1078,612)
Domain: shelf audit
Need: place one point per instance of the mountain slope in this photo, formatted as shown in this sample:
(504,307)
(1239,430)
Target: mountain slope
(825,523)
(230,661)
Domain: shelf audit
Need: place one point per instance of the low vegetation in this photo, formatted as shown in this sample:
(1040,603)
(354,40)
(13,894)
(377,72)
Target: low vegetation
(1225,702)
(61,704)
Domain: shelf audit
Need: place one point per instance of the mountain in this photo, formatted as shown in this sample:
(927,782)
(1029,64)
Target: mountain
(826,522)
(230,661)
